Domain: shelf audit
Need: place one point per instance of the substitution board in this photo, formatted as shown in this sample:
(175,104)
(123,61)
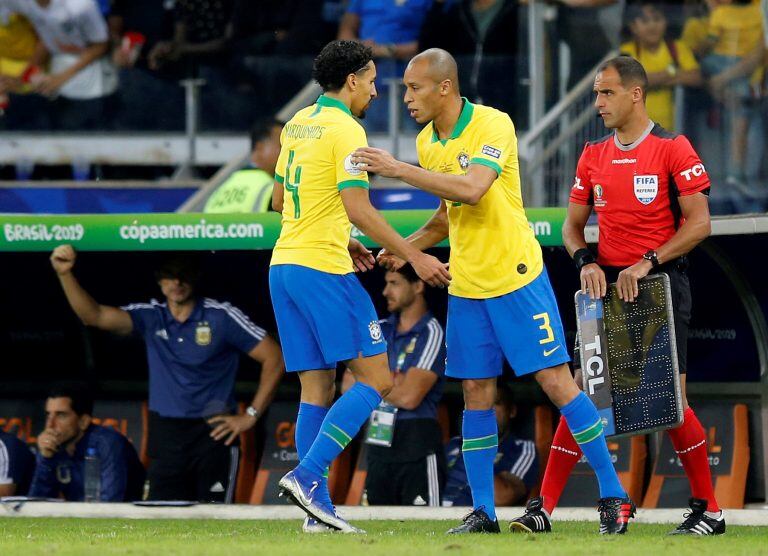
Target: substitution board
(628,358)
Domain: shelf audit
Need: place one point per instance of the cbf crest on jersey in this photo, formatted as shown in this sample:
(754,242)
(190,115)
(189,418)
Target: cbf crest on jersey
(646,188)
(375,330)
(463,159)
(203,334)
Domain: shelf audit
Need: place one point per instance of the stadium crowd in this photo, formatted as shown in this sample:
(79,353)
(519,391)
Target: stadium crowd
(117,64)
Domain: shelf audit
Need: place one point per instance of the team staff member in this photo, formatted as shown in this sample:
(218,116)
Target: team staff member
(193,348)
(250,189)
(323,313)
(515,469)
(500,301)
(68,437)
(649,190)
(410,471)
(17,464)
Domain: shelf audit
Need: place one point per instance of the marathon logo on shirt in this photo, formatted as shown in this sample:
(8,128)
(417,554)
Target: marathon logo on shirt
(491,151)
(646,188)
(352,168)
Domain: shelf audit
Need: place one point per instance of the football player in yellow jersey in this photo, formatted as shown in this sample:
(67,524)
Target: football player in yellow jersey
(501,303)
(323,313)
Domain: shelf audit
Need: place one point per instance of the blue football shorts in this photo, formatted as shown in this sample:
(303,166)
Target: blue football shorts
(322,318)
(524,326)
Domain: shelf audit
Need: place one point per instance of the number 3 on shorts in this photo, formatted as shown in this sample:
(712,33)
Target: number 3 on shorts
(550,336)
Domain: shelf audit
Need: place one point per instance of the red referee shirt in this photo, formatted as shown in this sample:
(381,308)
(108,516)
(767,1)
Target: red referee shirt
(634,190)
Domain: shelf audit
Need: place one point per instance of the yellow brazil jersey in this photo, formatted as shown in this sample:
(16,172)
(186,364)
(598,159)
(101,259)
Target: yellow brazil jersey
(493,250)
(736,28)
(660,102)
(314,165)
(17,44)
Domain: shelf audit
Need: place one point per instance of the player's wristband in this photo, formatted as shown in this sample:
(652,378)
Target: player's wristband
(583,257)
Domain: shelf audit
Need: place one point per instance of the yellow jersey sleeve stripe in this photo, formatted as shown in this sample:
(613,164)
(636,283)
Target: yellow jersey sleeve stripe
(352,183)
(489,163)
(279,179)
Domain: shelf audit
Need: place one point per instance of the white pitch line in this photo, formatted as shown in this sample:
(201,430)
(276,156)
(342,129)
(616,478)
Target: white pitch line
(353,513)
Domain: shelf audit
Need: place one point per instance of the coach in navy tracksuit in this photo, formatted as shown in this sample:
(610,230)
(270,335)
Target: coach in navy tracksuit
(17,463)
(193,348)
(62,447)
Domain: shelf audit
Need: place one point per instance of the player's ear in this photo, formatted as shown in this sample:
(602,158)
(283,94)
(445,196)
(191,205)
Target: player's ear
(352,81)
(637,94)
(445,87)
(84,421)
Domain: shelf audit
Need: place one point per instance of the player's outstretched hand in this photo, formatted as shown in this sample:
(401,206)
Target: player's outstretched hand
(432,271)
(626,284)
(362,257)
(391,262)
(63,259)
(593,281)
(377,161)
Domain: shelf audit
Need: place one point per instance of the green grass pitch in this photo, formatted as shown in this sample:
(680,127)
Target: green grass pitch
(49,536)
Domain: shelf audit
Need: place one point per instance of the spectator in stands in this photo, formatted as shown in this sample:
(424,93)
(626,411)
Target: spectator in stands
(80,79)
(486,38)
(579,25)
(193,348)
(68,436)
(667,62)
(735,30)
(516,469)
(202,29)
(696,27)
(250,189)
(136,26)
(17,464)
(17,45)
(391,28)
(405,461)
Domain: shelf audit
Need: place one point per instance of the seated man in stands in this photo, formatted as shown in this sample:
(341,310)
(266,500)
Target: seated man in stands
(17,464)
(62,446)
(193,351)
(515,470)
(405,460)
(250,188)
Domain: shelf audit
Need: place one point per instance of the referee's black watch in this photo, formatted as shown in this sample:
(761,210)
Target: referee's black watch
(651,256)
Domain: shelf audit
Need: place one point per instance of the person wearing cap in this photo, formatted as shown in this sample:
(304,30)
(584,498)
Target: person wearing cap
(193,346)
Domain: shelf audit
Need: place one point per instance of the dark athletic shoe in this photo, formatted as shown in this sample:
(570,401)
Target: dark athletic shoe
(615,514)
(476,522)
(535,519)
(697,522)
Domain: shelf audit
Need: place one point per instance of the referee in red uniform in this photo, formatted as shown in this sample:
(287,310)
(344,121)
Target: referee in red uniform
(650,192)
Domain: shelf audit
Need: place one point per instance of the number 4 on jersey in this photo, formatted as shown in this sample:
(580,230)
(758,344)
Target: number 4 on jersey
(293,188)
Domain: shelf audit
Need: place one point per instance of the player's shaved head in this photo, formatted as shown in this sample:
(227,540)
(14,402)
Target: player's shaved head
(439,66)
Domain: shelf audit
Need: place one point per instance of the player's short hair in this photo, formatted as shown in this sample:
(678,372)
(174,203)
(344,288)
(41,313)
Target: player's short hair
(408,273)
(261,129)
(80,393)
(631,72)
(337,60)
(185,268)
